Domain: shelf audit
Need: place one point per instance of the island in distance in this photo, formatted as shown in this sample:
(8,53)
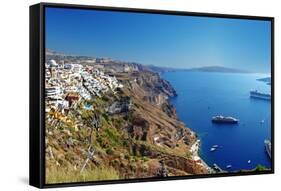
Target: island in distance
(153,68)
(220,69)
(266,80)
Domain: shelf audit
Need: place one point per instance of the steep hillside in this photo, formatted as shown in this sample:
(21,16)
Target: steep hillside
(131,132)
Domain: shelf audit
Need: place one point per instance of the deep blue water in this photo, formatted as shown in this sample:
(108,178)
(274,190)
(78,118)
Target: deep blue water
(202,95)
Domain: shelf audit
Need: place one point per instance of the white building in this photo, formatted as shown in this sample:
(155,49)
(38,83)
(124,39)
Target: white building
(77,68)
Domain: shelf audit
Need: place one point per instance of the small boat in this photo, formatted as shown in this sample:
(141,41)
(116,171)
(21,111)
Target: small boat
(249,161)
(215,146)
(268,147)
(262,121)
(228,166)
(212,149)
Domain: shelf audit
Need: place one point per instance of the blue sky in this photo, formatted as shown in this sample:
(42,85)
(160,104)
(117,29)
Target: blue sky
(161,40)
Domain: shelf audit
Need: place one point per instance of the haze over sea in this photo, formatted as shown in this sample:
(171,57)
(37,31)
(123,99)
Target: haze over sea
(202,95)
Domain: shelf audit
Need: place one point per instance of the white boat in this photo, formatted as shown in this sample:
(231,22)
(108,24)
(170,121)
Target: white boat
(260,95)
(228,166)
(249,161)
(212,149)
(222,119)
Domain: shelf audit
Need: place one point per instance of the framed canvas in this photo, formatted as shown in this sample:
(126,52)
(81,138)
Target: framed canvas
(122,95)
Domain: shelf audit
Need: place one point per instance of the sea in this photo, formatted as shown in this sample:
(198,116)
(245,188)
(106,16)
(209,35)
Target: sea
(202,95)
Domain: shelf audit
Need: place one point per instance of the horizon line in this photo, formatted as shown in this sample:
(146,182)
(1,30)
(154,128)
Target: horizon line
(166,67)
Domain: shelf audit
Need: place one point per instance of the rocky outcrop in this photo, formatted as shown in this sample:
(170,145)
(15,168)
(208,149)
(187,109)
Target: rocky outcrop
(120,106)
(153,82)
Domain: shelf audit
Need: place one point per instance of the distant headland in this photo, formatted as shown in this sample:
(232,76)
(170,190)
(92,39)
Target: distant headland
(219,69)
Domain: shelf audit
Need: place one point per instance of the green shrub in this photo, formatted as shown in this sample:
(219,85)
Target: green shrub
(112,136)
(105,116)
(127,157)
(145,159)
(109,151)
(261,168)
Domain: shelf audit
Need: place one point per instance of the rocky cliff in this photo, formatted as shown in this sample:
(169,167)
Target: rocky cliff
(138,133)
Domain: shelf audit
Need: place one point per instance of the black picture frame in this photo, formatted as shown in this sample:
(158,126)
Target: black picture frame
(37,108)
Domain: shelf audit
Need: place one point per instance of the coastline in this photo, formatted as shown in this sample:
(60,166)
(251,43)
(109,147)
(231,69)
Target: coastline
(194,149)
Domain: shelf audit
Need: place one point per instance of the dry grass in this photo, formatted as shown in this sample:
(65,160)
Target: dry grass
(59,175)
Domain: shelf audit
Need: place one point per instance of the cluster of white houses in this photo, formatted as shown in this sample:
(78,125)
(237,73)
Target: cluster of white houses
(65,83)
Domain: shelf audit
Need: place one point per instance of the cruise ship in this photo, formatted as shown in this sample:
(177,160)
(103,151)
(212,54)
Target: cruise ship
(260,95)
(267,144)
(222,119)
